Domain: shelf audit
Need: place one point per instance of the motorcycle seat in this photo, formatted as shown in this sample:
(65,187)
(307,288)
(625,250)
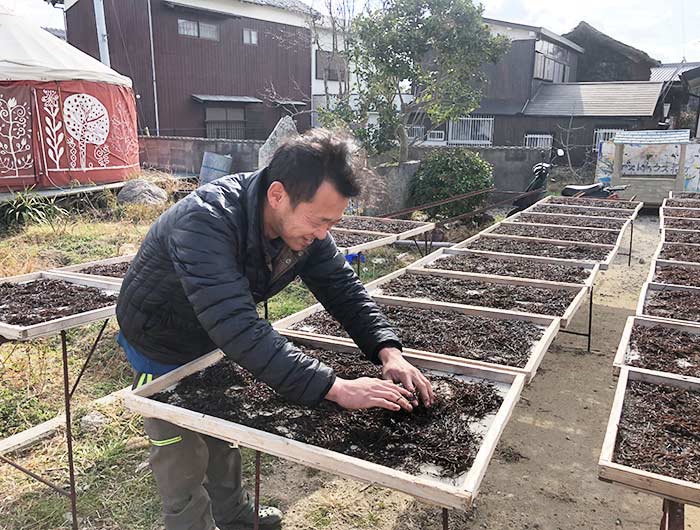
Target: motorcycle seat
(573,189)
(583,187)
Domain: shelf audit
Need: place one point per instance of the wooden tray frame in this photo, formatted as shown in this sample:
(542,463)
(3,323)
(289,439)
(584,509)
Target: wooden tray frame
(634,212)
(651,278)
(514,219)
(663,209)
(387,239)
(604,264)
(653,286)
(549,325)
(549,199)
(420,228)
(374,288)
(420,267)
(665,231)
(660,248)
(619,360)
(586,228)
(653,483)
(74,270)
(425,488)
(670,194)
(51,327)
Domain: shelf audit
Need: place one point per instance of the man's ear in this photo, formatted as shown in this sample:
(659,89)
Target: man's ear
(276,194)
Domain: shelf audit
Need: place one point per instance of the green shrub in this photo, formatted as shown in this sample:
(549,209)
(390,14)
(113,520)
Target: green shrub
(27,207)
(446,173)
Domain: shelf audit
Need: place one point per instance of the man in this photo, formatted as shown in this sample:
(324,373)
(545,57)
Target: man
(194,285)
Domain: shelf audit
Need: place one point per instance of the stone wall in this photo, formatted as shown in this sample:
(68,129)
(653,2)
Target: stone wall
(512,166)
(183,155)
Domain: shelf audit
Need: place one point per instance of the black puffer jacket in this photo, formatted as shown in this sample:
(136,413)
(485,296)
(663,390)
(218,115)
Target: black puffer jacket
(195,282)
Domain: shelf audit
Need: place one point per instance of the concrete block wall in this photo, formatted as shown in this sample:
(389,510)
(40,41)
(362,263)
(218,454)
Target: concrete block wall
(512,166)
(183,155)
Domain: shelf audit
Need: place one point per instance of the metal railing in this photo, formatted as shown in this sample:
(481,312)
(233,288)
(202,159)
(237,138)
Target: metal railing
(540,141)
(436,136)
(472,130)
(603,135)
(415,132)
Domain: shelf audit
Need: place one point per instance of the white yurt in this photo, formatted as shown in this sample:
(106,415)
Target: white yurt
(65,117)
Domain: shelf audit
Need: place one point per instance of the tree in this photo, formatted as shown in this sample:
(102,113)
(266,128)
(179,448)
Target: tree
(421,58)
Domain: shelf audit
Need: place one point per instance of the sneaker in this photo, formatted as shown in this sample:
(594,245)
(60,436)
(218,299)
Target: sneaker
(269,517)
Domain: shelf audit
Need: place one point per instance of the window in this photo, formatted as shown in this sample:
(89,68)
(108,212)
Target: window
(473,130)
(188,27)
(250,36)
(436,136)
(225,122)
(415,132)
(329,65)
(208,31)
(540,141)
(603,135)
(200,30)
(551,62)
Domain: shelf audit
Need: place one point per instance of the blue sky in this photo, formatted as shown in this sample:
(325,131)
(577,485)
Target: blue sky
(652,25)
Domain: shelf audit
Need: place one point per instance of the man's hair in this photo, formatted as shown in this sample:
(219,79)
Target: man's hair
(303,163)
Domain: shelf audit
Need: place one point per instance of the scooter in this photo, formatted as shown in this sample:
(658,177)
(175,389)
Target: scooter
(537,188)
(593,191)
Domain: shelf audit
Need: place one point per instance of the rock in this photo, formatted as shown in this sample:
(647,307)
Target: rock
(283,131)
(93,421)
(139,191)
(642,261)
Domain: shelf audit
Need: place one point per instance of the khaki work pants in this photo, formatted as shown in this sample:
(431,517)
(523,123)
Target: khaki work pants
(198,477)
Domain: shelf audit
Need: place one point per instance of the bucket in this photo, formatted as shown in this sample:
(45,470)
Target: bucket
(214,166)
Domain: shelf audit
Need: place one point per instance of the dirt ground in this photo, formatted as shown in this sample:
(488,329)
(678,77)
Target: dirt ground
(544,474)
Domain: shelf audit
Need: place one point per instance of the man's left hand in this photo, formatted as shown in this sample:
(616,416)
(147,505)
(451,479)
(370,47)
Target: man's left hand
(399,370)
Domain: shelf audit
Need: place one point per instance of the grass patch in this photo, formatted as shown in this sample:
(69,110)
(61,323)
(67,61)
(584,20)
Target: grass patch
(112,493)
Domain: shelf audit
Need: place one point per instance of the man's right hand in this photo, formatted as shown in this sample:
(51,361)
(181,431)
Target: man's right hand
(369,392)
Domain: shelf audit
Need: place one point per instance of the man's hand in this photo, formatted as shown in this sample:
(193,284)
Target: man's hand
(369,392)
(399,370)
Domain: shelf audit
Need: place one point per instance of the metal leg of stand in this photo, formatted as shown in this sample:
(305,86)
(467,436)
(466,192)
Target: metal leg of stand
(87,360)
(358,267)
(445,519)
(629,256)
(267,310)
(673,517)
(256,520)
(69,434)
(590,318)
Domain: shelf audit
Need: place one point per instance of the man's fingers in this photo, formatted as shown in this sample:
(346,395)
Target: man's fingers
(394,395)
(390,385)
(426,391)
(384,404)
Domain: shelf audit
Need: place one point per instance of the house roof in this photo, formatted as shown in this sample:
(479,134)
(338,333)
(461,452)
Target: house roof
(57,32)
(584,29)
(537,29)
(31,54)
(229,6)
(671,71)
(499,107)
(201,98)
(674,136)
(630,98)
(290,102)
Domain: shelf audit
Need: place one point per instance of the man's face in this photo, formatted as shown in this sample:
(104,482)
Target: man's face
(299,226)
